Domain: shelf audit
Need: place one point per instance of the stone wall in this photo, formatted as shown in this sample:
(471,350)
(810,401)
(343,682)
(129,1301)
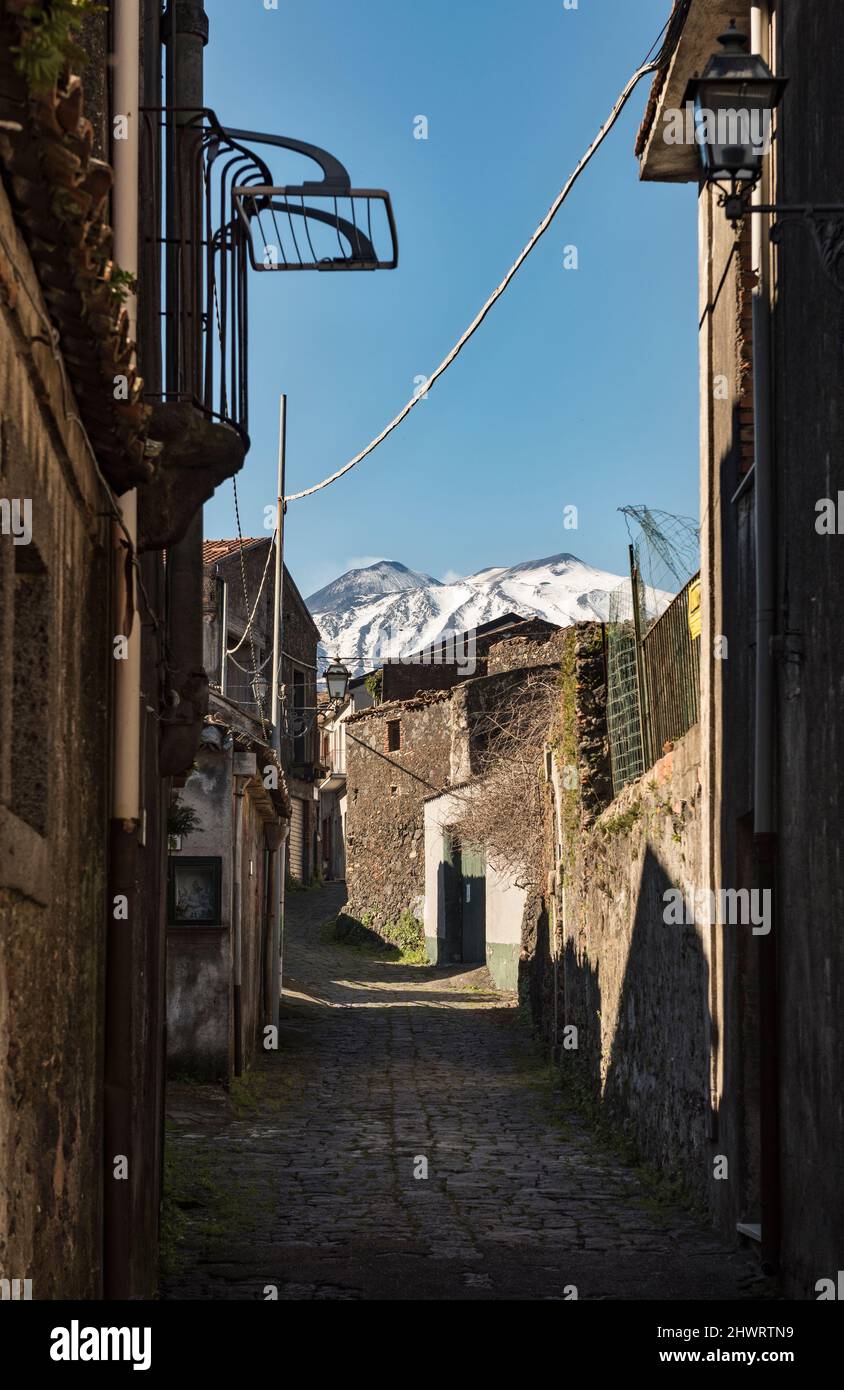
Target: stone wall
(539,649)
(589,670)
(536,644)
(442,745)
(55,636)
(635,989)
(385,860)
(597,955)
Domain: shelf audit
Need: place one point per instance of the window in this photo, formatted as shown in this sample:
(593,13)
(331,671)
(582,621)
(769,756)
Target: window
(393,735)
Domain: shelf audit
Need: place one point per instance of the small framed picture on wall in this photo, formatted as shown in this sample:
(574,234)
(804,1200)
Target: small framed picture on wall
(194,897)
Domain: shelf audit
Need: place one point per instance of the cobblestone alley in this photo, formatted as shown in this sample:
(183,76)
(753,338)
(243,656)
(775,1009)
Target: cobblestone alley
(302,1180)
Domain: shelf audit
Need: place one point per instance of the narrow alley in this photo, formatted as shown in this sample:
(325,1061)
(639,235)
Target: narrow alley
(301,1184)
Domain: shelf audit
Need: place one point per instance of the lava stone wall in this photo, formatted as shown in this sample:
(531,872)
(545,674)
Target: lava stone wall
(536,644)
(597,955)
(527,650)
(385,824)
(637,989)
(56,643)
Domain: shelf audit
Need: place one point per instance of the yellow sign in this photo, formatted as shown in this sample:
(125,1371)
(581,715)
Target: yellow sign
(694,610)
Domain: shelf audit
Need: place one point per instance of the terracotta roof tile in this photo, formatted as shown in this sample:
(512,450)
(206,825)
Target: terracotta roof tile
(212,551)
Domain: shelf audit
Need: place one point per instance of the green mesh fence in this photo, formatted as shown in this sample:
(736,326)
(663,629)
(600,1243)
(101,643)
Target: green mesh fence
(666,555)
(623,718)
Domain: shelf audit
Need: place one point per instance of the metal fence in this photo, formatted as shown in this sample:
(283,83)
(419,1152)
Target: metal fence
(671,664)
(653,677)
(624,722)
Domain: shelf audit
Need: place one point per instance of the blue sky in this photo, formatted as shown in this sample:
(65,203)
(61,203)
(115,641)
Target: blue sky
(580,389)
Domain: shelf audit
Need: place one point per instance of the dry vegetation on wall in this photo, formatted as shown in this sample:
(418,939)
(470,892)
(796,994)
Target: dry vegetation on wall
(503,807)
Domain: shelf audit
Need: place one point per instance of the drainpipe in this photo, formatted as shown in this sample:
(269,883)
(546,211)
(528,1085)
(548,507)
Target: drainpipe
(126,789)
(224,640)
(764,809)
(237,921)
(125,157)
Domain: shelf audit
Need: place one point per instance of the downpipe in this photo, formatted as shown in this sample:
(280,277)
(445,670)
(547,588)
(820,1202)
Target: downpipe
(764,807)
(237,926)
(126,725)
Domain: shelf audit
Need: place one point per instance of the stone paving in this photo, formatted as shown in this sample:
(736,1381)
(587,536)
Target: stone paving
(305,1178)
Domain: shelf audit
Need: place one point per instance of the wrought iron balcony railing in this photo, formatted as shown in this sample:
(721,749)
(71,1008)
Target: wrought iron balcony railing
(214,214)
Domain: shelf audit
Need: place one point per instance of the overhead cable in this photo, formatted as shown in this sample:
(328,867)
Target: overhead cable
(673,31)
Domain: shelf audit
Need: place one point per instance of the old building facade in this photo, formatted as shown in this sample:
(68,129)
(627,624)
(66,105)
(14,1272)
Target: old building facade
(111,443)
(404,758)
(223,900)
(771,311)
(238,608)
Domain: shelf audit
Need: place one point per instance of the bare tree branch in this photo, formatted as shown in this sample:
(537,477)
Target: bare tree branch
(503,807)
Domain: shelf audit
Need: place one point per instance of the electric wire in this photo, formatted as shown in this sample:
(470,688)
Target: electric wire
(672,31)
(230,651)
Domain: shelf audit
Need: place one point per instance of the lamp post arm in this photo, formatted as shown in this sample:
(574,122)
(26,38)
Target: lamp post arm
(824,220)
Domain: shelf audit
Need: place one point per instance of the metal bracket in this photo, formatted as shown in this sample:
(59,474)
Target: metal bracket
(824,220)
(827,227)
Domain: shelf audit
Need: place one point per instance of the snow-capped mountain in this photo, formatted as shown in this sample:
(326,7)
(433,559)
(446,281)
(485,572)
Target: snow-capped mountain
(385,577)
(387,610)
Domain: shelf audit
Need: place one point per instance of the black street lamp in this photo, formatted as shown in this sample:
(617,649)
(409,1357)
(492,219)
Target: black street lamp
(337,677)
(734,102)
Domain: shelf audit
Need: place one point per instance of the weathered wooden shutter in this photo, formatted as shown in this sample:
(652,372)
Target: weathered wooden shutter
(297,839)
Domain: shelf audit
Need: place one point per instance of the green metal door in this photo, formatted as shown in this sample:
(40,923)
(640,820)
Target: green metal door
(453,902)
(473,877)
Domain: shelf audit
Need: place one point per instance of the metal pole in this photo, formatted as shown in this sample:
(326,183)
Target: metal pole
(278,618)
(278,644)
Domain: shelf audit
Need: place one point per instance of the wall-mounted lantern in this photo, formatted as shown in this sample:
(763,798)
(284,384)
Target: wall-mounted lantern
(337,677)
(734,102)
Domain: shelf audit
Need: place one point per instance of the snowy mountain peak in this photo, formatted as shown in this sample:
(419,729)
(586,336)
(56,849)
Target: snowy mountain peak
(388,610)
(374,581)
